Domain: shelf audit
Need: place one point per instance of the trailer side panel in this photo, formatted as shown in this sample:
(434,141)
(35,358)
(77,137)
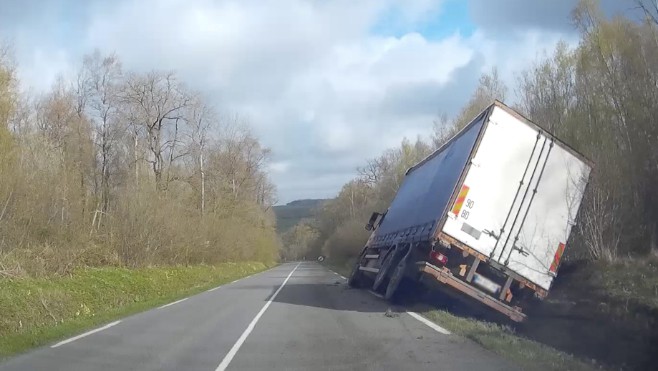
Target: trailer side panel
(426,190)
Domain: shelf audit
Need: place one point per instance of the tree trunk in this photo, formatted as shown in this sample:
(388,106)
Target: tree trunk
(203,184)
(171,152)
(136,158)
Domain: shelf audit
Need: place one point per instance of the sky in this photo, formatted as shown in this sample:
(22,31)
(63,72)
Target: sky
(326,85)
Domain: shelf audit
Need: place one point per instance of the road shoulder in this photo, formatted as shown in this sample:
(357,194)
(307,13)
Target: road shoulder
(498,339)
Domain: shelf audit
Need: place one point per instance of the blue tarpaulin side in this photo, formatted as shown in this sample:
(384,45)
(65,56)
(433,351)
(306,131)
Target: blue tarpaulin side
(423,196)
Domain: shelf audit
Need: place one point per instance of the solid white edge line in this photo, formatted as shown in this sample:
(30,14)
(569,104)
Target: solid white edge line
(429,323)
(213,289)
(84,334)
(415,315)
(176,302)
(338,274)
(234,350)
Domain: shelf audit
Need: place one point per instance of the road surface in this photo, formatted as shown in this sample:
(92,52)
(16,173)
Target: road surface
(297,316)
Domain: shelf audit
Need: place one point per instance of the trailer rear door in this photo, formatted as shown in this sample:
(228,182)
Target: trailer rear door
(494,211)
(539,239)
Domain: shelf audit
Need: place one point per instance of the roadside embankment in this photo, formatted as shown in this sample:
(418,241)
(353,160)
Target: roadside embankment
(602,310)
(36,311)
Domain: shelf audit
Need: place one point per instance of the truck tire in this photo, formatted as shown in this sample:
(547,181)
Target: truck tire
(385,268)
(392,289)
(356,277)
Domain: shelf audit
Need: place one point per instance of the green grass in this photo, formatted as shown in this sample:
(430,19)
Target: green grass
(627,280)
(37,311)
(528,354)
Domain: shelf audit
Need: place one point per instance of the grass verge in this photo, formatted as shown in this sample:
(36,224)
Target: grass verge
(37,311)
(623,282)
(502,340)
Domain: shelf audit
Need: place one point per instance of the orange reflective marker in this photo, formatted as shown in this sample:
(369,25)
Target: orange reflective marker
(558,256)
(460,200)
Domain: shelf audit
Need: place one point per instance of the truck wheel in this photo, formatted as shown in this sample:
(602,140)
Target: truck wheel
(395,281)
(356,277)
(384,269)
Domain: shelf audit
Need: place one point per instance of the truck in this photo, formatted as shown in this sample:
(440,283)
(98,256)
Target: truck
(486,217)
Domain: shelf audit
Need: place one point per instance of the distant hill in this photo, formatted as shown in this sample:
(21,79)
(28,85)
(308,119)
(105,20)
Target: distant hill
(290,214)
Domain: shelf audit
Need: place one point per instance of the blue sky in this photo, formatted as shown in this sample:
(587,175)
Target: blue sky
(313,78)
(447,18)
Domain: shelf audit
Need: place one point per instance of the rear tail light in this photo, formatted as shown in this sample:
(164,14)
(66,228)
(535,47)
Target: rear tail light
(438,258)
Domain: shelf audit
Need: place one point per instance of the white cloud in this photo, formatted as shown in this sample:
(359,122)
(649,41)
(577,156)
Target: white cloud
(518,51)
(319,87)
(39,68)
(279,166)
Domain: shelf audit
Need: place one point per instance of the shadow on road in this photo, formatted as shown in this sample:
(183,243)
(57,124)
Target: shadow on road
(333,296)
(586,335)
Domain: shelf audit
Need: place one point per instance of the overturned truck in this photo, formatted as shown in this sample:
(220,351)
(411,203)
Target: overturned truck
(486,217)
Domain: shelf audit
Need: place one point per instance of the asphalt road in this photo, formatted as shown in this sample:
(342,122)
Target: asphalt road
(297,316)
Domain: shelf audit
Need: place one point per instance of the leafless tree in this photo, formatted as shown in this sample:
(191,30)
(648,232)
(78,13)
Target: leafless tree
(8,88)
(201,118)
(158,101)
(98,85)
(650,9)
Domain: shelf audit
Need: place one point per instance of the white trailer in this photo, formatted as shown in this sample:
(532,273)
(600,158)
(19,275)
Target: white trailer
(487,215)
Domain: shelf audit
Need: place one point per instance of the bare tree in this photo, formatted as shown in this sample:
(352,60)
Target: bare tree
(8,88)
(99,83)
(650,9)
(77,145)
(244,158)
(69,134)
(201,118)
(158,100)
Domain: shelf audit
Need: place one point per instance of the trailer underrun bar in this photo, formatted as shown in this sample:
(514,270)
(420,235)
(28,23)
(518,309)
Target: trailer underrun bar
(444,276)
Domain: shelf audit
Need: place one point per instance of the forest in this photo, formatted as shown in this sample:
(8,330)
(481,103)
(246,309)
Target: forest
(112,167)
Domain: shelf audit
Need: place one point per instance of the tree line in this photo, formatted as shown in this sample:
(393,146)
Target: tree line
(126,168)
(601,97)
